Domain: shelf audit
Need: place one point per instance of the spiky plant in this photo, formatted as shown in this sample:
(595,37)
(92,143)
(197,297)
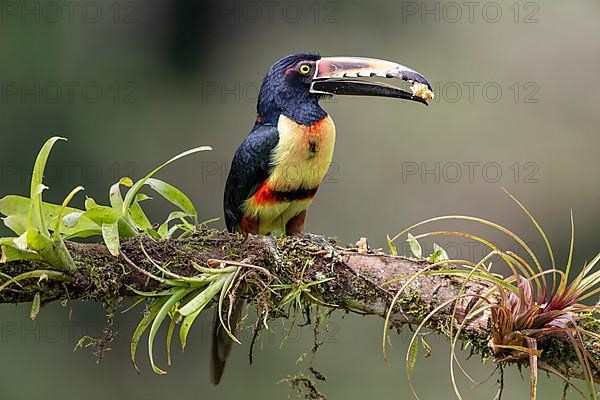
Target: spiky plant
(524,308)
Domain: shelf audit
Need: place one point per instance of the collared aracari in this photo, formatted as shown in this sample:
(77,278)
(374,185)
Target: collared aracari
(276,171)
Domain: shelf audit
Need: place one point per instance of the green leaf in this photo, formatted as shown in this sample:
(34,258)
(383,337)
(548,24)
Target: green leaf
(16,209)
(11,253)
(439,254)
(42,244)
(35,306)
(156,293)
(21,242)
(142,197)
(169,339)
(115,197)
(167,233)
(392,246)
(143,325)
(210,221)
(36,218)
(175,196)
(163,231)
(195,307)
(138,185)
(17,224)
(37,241)
(226,287)
(110,234)
(443,255)
(160,316)
(126,229)
(38,273)
(114,194)
(180,215)
(411,357)
(33,245)
(185,231)
(90,203)
(139,216)
(186,325)
(82,233)
(426,347)
(204,296)
(59,244)
(102,215)
(415,247)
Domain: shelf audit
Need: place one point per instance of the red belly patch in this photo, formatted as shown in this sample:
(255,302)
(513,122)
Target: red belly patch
(267,195)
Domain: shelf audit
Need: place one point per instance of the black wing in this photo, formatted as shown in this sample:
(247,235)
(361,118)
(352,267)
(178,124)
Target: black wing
(249,169)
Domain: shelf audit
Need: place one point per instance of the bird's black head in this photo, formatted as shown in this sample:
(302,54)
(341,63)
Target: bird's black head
(295,84)
(286,90)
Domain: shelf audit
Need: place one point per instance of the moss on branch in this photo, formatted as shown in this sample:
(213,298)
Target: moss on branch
(359,282)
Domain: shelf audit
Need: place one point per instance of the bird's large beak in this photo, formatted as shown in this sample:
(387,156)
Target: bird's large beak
(333,75)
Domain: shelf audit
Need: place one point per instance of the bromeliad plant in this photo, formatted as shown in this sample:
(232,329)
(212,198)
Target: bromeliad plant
(41,227)
(524,308)
(183,301)
(41,230)
(32,221)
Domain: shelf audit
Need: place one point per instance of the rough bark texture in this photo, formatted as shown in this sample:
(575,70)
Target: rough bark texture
(359,283)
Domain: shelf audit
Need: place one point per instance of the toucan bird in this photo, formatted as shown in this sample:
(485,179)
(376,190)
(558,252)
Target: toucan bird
(277,170)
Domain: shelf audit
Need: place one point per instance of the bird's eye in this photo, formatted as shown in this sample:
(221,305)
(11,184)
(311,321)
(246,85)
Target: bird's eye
(304,69)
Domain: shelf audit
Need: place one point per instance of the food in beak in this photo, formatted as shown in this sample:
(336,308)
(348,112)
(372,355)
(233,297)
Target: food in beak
(421,90)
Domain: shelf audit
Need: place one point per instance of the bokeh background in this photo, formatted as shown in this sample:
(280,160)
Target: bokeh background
(131,83)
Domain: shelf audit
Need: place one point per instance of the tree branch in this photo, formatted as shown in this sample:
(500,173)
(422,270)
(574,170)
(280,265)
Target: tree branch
(359,283)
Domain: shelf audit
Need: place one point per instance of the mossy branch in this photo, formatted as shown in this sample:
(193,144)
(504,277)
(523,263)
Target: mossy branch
(359,284)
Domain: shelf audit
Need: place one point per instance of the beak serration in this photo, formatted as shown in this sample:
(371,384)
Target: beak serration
(330,69)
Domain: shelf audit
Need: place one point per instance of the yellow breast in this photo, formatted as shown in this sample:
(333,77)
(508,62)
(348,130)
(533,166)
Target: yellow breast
(299,161)
(303,154)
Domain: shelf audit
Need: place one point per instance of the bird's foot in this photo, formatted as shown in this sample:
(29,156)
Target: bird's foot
(271,243)
(323,242)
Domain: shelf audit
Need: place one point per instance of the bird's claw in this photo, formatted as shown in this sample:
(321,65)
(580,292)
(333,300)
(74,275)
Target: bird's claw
(323,242)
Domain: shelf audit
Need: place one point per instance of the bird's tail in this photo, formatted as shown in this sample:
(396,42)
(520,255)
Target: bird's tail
(222,343)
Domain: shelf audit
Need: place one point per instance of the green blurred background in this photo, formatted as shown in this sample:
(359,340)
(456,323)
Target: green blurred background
(133,83)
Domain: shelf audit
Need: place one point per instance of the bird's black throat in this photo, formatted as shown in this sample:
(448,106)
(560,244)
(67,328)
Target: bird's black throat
(295,103)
